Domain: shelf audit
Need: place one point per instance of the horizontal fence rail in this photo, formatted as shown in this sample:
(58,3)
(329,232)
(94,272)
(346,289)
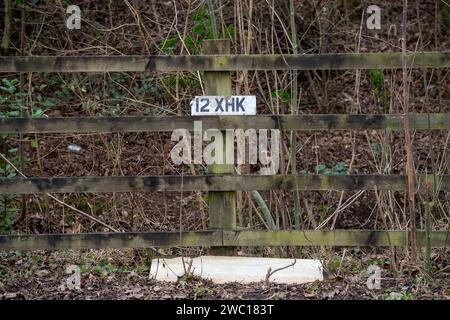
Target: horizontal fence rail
(435,121)
(332,238)
(219,238)
(332,61)
(216,183)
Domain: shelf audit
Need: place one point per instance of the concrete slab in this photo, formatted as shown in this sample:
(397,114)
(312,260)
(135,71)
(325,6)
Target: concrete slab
(239,269)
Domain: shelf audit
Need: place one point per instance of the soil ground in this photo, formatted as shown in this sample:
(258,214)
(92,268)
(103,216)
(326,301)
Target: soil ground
(113,274)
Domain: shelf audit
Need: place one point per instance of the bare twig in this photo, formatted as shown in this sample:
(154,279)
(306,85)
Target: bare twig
(408,143)
(62,202)
(294,110)
(270,272)
(7,27)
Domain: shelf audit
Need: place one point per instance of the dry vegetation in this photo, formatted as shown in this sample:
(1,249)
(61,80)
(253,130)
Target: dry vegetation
(253,26)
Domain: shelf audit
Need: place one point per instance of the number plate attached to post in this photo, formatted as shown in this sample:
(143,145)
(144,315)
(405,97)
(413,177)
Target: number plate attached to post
(219,105)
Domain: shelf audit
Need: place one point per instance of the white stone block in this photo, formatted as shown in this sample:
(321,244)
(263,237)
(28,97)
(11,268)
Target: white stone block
(238,269)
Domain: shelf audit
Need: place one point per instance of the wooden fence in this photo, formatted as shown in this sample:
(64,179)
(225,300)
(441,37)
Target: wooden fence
(221,183)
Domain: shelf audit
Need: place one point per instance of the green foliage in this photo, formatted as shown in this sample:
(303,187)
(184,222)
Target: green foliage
(376,149)
(7,214)
(147,258)
(315,289)
(9,85)
(382,263)
(169,45)
(376,81)
(104,268)
(283,95)
(184,83)
(11,106)
(63,92)
(116,88)
(43,103)
(9,204)
(204,32)
(201,30)
(187,277)
(230,33)
(201,291)
(333,264)
(338,169)
(202,24)
(400,296)
(10,99)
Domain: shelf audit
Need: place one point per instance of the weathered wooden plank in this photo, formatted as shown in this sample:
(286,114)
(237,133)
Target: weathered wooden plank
(110,240)
(335,61)
(438,121)
(214,238)
(358,238)
(222,204)
(213,183)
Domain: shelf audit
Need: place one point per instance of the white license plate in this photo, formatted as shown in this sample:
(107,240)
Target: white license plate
(220,105)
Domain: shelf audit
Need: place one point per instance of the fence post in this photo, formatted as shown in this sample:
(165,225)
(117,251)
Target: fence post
(222,205)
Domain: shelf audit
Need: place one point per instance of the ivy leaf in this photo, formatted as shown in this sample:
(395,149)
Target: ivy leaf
(169,43)
(38,113)
(13,113)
